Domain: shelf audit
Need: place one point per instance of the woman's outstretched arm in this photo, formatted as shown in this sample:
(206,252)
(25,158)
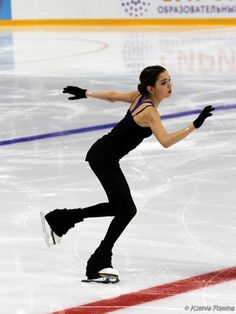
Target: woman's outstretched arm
(112,96)
(168,139)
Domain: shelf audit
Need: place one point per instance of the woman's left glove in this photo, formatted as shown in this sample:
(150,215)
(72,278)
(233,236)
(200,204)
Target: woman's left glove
(206,112)
(76,91)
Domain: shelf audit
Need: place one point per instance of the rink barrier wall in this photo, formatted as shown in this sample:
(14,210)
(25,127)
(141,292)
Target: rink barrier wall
(120,22)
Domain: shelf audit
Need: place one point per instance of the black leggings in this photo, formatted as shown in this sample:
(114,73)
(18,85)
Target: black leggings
(120,203)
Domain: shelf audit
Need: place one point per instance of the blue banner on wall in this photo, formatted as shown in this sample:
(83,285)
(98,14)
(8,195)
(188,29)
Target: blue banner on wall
(5,9)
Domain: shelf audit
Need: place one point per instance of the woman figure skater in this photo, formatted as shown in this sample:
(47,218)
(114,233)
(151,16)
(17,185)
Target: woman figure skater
(141,121)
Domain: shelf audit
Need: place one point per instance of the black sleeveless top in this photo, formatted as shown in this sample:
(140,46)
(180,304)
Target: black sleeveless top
(123,138)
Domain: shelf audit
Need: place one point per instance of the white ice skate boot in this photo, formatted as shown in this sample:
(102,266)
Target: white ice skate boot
(106,275)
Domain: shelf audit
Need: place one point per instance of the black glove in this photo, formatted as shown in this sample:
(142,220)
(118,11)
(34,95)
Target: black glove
(206,112)
(76,91)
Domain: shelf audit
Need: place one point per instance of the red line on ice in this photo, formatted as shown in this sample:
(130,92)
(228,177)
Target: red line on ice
(153,293)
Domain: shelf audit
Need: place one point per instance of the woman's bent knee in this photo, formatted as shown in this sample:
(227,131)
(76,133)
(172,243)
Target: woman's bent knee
(130,212)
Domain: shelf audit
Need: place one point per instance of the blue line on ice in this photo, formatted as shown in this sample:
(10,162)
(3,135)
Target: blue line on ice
(101,127)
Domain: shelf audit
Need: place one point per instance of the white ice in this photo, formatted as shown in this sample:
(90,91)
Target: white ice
(185,195)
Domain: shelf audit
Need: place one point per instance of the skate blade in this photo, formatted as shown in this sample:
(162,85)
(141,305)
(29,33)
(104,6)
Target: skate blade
(50,237)
(104,280)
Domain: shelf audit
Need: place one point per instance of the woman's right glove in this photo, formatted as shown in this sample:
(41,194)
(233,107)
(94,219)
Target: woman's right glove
(206,112)
(76,91)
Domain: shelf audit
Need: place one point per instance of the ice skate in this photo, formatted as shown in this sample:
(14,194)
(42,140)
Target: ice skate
(50,237)
(57,223)
(99,267)
(106,275)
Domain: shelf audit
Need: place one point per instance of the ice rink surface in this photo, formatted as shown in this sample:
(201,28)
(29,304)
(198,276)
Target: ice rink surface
(185,195)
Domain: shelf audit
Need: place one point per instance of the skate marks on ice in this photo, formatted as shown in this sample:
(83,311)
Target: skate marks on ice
(156,293)
(203,71)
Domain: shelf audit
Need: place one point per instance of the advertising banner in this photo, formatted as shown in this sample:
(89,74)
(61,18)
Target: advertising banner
(119,9)
(179,8)
(5,9)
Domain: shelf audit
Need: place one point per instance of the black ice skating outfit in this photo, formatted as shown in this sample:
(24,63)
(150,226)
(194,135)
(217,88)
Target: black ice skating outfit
(103,158)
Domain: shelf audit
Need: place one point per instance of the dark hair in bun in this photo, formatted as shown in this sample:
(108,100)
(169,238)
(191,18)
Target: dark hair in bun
(148,77)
